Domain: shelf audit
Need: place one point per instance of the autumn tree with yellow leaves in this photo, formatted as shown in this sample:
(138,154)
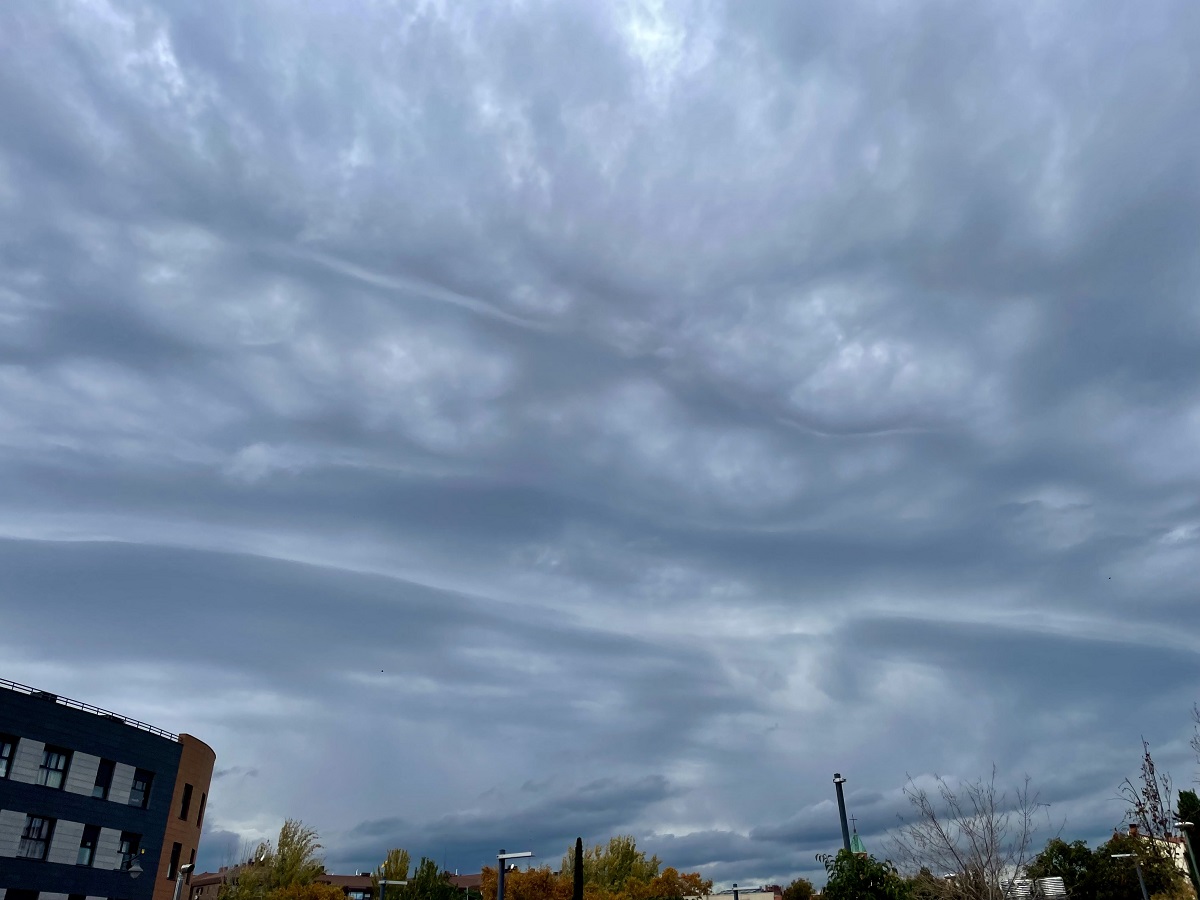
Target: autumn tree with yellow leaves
(616,871)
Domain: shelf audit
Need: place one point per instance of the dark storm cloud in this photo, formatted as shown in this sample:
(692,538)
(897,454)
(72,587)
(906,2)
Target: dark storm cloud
(659,406)
(549,824)
(235,772)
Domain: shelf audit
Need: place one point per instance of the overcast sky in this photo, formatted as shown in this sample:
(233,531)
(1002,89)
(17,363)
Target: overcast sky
(489,423)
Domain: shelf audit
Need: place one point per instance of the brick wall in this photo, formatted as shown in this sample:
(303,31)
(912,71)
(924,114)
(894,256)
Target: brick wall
(195,768)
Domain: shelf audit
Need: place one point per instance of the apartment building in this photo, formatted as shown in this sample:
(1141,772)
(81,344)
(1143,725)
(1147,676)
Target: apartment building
(94,805)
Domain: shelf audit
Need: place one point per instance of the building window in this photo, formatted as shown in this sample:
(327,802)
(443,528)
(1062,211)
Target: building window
(129,847)
(192,860)
(54,767)
(173,868)
(200,814)
(14,894)
(35,837)
(76,897)
(186,805)
(139,794)
(87,845)
(8,746)
(104,777)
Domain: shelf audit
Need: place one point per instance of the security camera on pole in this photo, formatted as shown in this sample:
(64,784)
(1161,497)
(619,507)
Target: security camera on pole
(183,872)
(502,859)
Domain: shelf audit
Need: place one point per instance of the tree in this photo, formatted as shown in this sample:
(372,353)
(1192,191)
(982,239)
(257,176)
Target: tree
(926,886)
(1074,863)
(295,860)
(610,867)
(975,832)
(429,882)
(394,868)
(292,861)
(861,877)
(799,889)
(1116,879)
(670,885)
(532,884)
(1189,807)
(1195,742)
(613,871)
(314,891)
(250,881)
(1147,806)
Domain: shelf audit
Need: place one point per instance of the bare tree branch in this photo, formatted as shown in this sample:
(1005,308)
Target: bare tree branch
(1146,806)
(973,837)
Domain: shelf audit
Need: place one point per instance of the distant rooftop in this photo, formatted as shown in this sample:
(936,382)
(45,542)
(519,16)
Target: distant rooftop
(86,707)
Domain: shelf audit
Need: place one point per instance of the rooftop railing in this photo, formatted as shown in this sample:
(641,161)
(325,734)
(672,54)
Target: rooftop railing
(86,707)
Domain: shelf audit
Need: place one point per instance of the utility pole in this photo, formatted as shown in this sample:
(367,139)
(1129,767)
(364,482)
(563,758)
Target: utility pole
(838,781)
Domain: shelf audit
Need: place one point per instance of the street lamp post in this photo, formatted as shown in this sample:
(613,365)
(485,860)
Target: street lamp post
(735,891)
(183,872)
(838,781)
(383,884)
(502,859)
(1186,828)
(1137,865)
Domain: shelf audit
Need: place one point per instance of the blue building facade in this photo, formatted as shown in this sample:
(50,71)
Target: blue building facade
(88,798)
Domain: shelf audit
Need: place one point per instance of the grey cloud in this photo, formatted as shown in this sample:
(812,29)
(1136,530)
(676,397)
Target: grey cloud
(218,848)
(593,810)
(660,408)
(235,772)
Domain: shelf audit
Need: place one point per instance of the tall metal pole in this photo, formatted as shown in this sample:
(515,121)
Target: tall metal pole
(1186,827)
(182,873)
(501,862)
(838,781)
(577,881)
(735,891)
(1142,881)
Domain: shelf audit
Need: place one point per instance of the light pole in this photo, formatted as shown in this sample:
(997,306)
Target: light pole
(1185,828)
(1137,865)
(383,884)
(838,781)
(735,892)
(502,859)
(183,872)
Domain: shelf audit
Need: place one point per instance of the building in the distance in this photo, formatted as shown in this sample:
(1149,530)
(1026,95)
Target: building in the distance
(88,798)
(765,892)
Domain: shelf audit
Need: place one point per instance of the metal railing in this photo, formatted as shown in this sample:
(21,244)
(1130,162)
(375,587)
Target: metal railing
(86,707)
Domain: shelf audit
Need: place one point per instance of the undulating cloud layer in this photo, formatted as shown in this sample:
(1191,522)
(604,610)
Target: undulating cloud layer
(491,423)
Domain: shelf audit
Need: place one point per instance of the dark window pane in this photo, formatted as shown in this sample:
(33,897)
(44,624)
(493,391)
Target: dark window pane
(8,746)
(173,868)
(186,804)
(54,767)
(129,848)
(35,837)
(139,794)
(87,845)
(104,777)
(200,814)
